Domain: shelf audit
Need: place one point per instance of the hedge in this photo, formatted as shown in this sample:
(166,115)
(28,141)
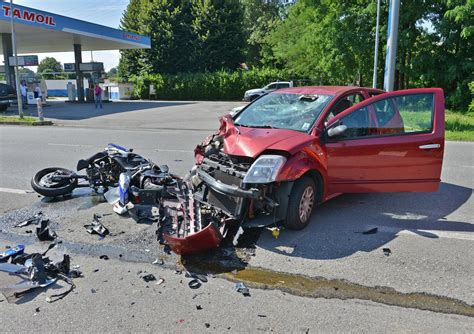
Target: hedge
(208,86)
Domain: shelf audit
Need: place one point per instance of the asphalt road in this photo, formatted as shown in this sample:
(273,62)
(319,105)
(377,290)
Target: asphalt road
(430,236)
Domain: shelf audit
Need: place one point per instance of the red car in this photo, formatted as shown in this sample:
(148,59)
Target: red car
(294,148)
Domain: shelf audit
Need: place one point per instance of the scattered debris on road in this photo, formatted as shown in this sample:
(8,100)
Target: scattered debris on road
(194,284)
(148,277)
(32,220)
(387,251)
(104,257)
(11,252)
(241,288)
(96,227)
(37,271)
(43,231)
(371,231)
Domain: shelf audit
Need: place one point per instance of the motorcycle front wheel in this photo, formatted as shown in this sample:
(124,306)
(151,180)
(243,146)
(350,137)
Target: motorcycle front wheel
(44,182)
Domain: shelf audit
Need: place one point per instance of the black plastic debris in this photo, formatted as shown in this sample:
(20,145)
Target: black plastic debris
(104,257)
(32,220)
(198,307)
(371,231)
(149,277)
(43,232)
(194,284)
(96,227)
(199,277)
(261,315)
(207,325)
(387,251)
(241,288)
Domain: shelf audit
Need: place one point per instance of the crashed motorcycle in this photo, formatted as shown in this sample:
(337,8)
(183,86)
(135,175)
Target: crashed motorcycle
(115,168)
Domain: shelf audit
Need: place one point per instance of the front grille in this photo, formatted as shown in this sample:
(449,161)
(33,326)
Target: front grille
(229,204)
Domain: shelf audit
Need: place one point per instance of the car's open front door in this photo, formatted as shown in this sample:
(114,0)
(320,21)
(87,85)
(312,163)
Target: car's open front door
(388,143)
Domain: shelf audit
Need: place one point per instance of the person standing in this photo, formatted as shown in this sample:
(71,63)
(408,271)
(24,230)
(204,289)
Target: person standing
(23,90)
(38,93)
(98,96)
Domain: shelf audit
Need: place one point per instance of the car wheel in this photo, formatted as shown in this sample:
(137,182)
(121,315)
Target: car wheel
(301,204)
(3,107)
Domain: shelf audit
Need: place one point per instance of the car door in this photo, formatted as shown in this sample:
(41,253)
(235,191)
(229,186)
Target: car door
(389,143)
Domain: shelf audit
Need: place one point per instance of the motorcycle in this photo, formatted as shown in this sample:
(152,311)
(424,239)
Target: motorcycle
(115,167)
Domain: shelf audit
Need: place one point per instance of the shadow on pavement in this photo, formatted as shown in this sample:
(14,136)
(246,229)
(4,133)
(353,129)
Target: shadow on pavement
(337,226)
(78,111)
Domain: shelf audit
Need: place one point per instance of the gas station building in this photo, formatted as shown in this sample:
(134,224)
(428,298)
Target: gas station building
(38,31)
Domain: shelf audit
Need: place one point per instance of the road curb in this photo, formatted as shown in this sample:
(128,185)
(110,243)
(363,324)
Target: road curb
(38,123)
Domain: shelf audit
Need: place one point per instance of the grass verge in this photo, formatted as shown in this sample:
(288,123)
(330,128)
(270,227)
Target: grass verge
(17,119)
(459,126)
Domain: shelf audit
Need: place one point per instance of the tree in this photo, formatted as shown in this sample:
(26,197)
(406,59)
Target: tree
(261,18)
(186,36)
(49,64)
(130,60)
(112,72)
(220,31)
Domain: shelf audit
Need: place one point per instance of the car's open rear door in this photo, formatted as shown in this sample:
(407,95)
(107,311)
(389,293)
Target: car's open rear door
(392,142)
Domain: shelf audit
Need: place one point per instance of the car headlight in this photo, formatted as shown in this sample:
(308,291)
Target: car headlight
(265,169)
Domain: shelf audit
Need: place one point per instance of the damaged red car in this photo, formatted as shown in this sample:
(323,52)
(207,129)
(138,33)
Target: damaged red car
(294,148)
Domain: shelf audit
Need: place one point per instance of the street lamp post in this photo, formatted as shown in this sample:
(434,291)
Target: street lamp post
(392,36)
(376,53)
(15,56)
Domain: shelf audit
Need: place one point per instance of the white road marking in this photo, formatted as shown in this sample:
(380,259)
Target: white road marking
(426,233)
(15,191)
(181,151)
(69,145)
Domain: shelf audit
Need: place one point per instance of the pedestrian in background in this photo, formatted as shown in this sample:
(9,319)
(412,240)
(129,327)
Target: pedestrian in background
(38,93)
(98,96)
(23,90)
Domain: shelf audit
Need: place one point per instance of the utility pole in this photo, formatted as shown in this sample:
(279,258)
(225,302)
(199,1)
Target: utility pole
(392,35)
(376,52)
(15,56)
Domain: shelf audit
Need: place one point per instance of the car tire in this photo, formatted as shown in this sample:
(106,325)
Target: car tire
(301,204)
(3,107)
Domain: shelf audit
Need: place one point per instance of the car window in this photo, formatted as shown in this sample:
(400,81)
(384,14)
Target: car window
(283,85)
(271,86)
(283,111)
(345,102)
(395,115)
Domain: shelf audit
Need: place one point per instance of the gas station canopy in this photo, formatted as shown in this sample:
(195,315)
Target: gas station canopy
(39,32)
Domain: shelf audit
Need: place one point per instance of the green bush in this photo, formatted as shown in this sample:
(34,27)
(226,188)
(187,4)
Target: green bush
(210,86)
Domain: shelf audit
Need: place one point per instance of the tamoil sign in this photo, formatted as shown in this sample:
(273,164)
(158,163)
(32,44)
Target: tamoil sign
(29,15)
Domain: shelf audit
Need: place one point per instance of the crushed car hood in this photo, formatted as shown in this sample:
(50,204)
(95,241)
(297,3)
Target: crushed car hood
(251,142)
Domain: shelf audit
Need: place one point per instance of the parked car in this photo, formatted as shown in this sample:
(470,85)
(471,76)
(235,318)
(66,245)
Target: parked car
(7,94)
(281,155)
(252,94)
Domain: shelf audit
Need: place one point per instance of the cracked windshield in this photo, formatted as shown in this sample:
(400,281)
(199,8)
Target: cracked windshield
(284,111)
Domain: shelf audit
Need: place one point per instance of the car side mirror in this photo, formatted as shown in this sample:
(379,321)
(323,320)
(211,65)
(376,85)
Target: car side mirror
(337,131)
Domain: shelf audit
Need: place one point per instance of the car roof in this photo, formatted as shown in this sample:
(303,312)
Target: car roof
(326,90)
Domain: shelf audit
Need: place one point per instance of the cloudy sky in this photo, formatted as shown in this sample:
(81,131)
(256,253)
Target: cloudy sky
(104,12)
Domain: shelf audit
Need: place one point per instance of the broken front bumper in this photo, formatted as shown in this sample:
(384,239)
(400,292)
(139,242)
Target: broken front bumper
(208,238)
